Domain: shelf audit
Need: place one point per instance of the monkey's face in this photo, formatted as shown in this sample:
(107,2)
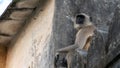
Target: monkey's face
(82,20)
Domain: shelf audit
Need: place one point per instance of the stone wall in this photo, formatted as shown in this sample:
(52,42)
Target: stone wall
(32,48)
(102,12)
(51,28)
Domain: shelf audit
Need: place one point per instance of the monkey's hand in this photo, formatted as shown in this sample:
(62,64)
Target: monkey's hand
(60,60)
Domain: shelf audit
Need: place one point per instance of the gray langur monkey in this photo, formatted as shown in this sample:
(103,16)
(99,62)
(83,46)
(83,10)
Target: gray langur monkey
(85,30)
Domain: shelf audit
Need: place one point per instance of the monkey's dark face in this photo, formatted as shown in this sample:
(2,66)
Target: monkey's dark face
(80,19)
(91,19)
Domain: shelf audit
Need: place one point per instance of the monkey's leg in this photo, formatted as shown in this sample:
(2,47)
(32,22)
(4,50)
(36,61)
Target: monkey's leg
(67,49)
(75,60)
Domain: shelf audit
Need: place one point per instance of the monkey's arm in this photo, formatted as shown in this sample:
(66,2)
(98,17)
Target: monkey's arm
(84,37)
(66,49)
(80,41)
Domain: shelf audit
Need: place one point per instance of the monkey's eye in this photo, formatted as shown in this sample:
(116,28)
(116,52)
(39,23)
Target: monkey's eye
(91,19)
(80,19)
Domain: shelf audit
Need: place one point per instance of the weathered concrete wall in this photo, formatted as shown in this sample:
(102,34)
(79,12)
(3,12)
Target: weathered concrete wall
(32,48)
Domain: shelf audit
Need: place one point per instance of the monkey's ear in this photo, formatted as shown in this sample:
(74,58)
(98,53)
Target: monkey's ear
(91,19)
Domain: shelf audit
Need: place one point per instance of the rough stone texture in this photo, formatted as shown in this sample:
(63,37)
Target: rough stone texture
(116,65)
(32,47)
(63,32)
(110,57)
(14,18)
(113,43)
(96,51)
(102,12)
(10,27)
(114,32)
(27,4)
(20,15)
(4,40)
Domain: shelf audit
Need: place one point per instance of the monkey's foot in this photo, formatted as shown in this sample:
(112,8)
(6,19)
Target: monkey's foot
(60,61)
